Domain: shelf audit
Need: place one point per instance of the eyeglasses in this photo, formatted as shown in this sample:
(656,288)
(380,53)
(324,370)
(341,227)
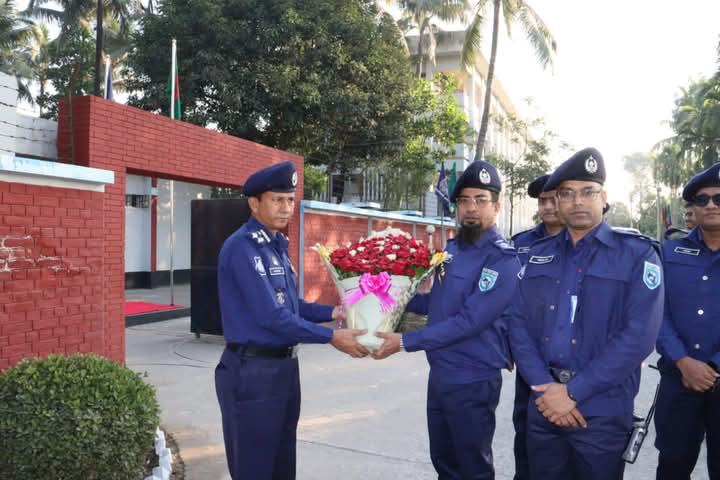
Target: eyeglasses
(703,199)
(468,201)
(569,195)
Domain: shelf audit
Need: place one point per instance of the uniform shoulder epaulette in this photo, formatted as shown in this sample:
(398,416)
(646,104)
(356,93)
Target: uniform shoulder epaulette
(514,237)
(259,236)
(505,246)
(639,236)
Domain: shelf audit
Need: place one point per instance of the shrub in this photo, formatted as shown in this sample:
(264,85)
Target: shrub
(76,417)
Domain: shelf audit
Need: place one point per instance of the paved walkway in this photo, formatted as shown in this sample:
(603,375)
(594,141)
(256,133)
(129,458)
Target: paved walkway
(361,419)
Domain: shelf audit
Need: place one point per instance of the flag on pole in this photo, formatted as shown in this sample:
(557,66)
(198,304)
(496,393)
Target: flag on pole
(173,86)
(451,184)
(666,219)
(109,95)
(441,190)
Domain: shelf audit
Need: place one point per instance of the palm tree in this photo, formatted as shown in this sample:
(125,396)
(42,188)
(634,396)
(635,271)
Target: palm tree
(422,14)
(513,11)
(15,32)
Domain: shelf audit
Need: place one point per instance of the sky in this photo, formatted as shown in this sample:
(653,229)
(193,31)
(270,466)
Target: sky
(620,66)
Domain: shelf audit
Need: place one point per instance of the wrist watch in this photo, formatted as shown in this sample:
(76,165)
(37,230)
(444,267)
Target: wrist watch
(402,345)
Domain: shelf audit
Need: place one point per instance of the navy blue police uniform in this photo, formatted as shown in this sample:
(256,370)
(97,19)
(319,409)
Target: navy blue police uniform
(586,315)
(257,379)
(522,242)
(691,328)
(466,343)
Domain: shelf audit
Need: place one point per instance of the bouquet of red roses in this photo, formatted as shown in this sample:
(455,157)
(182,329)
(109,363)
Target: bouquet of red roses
(376,278)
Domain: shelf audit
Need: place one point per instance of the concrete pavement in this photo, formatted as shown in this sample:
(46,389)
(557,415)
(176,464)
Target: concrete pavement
(361,419)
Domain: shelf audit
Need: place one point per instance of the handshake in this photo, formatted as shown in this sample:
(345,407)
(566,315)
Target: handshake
(345,340)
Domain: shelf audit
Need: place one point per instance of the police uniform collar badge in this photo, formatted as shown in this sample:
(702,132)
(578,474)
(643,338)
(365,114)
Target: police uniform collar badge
(652,276)
(523,250)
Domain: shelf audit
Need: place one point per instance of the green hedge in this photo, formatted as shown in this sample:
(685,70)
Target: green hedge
(77,417)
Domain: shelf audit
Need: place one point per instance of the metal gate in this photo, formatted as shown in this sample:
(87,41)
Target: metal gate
(212,222)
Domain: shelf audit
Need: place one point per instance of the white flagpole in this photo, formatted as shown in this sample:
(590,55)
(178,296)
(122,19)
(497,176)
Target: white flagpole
(107,74)
(173,79)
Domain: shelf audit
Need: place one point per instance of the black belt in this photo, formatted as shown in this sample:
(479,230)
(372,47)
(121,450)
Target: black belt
(562,375)
(266,352)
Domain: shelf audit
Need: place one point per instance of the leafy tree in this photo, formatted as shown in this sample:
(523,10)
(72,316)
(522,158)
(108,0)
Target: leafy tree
(421,14)
(15,32)
(436,125)
(72,62)
(532,161)
(314,181)
(326,78)
(512,11)
(619,215)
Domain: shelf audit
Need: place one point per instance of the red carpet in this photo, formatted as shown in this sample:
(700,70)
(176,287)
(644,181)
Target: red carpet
(135,308)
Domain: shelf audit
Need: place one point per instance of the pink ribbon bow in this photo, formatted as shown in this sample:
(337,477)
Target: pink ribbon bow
(378,285)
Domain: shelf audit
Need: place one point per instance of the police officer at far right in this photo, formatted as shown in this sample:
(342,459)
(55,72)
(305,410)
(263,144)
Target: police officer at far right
(587,313)
(688,406)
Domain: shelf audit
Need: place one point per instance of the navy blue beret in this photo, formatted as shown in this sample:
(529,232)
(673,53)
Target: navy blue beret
(536,186)
(706,178)
(479,174)
(586,165)
(281,177)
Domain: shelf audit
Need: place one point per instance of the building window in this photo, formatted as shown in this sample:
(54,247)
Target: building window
(137,201)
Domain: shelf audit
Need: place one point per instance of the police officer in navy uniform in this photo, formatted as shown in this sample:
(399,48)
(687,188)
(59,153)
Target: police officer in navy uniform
(587,313)
(465,338)
(257,380)
(688,406)
(550,224)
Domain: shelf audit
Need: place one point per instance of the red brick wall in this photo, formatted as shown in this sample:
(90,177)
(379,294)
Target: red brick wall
(51,261)
(335,229)
(123,139)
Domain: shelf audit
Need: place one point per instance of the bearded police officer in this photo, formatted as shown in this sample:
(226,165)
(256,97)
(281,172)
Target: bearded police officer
(257,380)
(588,311)
(465,339)
(688,406)
(550,224)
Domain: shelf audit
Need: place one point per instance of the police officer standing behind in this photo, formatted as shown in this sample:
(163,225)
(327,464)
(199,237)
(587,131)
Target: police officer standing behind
(550,224)
(688,406)
(588,312)
(465,338)
(257,379)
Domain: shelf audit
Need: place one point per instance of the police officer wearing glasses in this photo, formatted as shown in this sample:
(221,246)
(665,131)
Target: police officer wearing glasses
(257,379)
(587,313)
(688,406)
(550,224)
(465,339)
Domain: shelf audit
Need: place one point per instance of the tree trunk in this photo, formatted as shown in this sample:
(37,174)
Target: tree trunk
(98,47)
(68,94)
(419,70)
(488,86)
(512,210)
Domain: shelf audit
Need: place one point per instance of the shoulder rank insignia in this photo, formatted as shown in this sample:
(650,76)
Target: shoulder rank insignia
(652,276)
(261,237)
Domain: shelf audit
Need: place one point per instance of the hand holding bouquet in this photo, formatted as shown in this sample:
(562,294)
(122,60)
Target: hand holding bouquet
(376,278)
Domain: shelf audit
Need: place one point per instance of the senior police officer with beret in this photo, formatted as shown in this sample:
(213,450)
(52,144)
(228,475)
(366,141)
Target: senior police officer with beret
(587,313)
(465,338)
(550,224)
(688,406)
(257,379)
